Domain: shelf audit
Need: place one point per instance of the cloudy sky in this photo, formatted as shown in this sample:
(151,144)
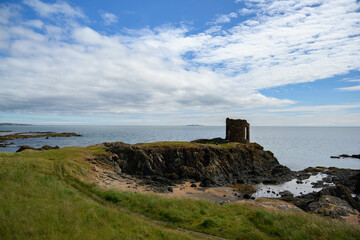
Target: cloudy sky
(289,62)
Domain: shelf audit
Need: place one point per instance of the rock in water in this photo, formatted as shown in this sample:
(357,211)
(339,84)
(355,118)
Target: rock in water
(213,165)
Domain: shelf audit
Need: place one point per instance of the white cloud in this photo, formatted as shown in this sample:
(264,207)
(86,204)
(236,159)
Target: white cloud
(320,108)
(115,75)
(8,11)
(34,23)
(214,30)
(109,18)
(46,10)
(246,11)
(225,18)
(288,44)
(352,88)
(167,70)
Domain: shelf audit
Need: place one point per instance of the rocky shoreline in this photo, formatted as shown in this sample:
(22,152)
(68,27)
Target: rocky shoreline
(339,196)
(13,136)
(168,166)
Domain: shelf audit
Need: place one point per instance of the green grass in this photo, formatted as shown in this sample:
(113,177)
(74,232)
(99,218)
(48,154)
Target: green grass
(46,195)
(184,144)
(167,144)
(233,221)
(38,200)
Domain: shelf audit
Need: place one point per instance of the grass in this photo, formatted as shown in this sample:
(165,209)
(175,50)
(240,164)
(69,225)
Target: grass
(38,200)
(47,195)
(167,144)
(233,221)
(183,144)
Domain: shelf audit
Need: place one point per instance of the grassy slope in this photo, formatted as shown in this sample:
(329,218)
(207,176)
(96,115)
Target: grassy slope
(45,195)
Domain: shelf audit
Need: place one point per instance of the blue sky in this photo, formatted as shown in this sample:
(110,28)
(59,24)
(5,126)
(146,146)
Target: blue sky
(292,63)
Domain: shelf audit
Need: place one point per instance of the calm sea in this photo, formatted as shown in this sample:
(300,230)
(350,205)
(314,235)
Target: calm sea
(295,147)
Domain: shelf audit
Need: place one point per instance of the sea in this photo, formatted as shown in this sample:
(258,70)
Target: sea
(294,147)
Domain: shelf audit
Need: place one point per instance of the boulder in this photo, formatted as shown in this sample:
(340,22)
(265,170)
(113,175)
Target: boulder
(341,192)
(24,147)
(47,147)
(331,206)
(286,193)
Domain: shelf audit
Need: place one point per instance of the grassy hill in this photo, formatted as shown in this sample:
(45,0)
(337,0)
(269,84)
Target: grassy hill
(47,195)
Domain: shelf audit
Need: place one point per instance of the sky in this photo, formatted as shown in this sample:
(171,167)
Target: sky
(178,62)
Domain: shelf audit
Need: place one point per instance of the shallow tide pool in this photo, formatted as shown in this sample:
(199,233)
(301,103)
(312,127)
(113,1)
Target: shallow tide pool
(294,186)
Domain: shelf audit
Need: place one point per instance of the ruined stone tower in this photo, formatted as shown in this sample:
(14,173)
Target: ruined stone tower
(237,130)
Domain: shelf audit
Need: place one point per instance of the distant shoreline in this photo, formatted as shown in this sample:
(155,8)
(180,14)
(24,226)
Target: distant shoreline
(15,124)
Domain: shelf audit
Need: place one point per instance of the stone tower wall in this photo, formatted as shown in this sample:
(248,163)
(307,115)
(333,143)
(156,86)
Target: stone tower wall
(237,130)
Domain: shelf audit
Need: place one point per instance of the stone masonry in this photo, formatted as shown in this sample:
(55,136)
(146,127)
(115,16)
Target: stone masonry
(237,130)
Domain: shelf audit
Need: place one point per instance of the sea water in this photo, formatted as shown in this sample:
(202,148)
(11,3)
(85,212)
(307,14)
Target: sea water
(294,147)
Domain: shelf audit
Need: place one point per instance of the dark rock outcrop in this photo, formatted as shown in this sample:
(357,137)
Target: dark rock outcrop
(212,165)
(347,156)
(43,148)
(286,194)
(336,201)
(333,201)
(342,192)
(331,206)
(348,177)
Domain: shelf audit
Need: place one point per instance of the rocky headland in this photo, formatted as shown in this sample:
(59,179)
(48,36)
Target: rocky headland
(210,164)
